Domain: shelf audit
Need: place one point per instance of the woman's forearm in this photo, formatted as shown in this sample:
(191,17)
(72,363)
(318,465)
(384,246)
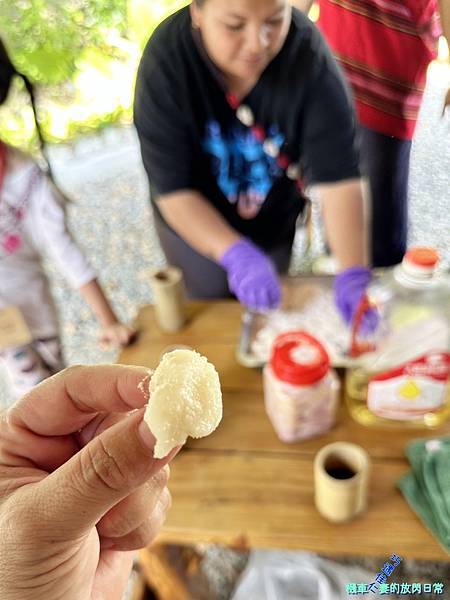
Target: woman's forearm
(95,297)
(345,222)
(198,223)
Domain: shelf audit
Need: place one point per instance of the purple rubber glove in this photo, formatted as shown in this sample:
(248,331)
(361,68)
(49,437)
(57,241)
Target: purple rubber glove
(349,289)
(251,276)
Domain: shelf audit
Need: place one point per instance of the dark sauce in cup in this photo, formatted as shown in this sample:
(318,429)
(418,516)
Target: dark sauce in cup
(338,469)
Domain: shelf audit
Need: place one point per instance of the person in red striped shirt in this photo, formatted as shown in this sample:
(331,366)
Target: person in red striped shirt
(385,47)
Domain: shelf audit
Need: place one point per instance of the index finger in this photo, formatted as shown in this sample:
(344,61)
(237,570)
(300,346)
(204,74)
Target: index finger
(68,401)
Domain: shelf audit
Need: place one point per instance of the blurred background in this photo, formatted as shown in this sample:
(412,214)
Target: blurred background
(83,56)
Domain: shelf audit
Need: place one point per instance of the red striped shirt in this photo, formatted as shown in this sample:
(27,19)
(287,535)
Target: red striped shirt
(385,47)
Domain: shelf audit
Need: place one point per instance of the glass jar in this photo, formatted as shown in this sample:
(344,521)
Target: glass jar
(301,391)
(404,379)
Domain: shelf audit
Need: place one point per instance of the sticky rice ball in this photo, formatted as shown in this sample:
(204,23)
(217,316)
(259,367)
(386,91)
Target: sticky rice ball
(185,399)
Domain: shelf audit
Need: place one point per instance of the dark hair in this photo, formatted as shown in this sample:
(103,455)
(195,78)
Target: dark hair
(200,2)
(7,72)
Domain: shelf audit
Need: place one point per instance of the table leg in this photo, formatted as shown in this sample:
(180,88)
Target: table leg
(173,572)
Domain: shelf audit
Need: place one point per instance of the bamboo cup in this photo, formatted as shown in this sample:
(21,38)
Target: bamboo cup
(341,480)
(169,298)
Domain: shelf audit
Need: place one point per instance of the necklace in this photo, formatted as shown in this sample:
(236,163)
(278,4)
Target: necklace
(244,115)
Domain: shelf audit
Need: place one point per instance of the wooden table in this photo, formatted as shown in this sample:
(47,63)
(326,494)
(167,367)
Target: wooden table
(241,485)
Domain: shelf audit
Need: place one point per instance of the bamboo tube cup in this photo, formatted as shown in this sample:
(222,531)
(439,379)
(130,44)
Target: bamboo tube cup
(341,480)
(169,298)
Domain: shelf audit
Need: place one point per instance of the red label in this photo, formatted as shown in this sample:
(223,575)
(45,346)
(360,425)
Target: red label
(435,365)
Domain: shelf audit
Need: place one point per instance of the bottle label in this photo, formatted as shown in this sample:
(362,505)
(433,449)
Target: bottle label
(411,390)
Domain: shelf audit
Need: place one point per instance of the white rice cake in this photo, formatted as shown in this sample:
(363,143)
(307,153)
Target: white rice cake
(184,399)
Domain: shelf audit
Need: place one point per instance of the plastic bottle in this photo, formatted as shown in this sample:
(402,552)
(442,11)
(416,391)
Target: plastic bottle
(404,380)
(300,390)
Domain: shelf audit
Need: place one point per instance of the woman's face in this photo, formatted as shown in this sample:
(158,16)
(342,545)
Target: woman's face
(242,36)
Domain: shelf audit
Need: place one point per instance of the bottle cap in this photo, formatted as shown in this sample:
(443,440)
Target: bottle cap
(298,358)
(420,261)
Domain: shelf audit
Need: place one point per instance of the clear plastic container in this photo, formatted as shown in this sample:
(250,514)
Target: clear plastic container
(301,391)
(403,378)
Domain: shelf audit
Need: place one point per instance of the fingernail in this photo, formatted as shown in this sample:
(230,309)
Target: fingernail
(143,385)
(147,437)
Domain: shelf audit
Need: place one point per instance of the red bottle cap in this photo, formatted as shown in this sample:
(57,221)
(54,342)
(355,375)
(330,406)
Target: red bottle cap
(298,358)
(422,256)
(420,262)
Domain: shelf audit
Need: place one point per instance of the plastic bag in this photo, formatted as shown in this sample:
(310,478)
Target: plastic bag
(282,575)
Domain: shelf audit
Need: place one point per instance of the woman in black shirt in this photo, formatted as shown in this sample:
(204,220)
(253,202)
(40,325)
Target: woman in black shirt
(239,104)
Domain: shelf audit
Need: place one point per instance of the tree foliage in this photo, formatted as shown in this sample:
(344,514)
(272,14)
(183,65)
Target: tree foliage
(53,42)
(145,15)
(47,37)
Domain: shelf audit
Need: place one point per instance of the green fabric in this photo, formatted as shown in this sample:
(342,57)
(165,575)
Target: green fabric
(427,486)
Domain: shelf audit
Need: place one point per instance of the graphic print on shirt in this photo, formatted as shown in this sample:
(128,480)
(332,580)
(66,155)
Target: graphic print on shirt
(244,172)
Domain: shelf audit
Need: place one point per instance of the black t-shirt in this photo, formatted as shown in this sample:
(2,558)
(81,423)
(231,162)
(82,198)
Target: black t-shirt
(191,138)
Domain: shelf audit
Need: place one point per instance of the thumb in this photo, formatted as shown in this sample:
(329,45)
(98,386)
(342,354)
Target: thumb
(72,499)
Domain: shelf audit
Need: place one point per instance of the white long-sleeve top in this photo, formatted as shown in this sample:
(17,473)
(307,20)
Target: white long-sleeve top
(40,231)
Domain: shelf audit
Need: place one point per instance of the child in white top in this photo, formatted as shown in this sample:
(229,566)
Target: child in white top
(33,225)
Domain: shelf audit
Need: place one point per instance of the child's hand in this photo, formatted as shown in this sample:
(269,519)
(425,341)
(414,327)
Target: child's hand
(116,334)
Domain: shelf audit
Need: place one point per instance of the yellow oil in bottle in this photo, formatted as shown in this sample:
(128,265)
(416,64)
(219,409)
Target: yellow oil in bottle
(403,381)
(356,391)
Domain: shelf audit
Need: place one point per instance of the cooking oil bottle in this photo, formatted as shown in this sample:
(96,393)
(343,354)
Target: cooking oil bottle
(403,378)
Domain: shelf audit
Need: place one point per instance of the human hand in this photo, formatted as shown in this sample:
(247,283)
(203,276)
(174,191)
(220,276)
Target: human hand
(79,487)
(117,335)
(251,276)
(349,288)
